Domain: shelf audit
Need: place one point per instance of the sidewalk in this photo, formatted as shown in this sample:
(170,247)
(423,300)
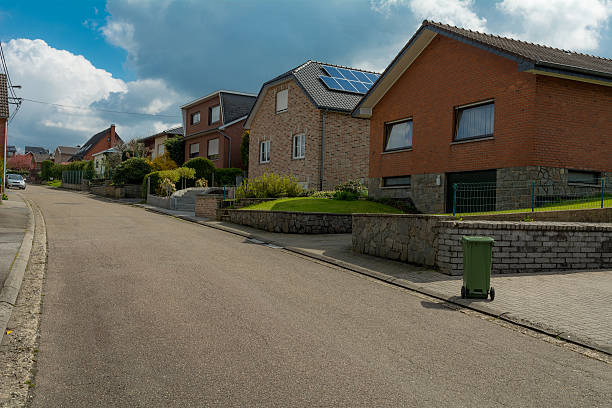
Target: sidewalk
(571,305)
(14,215)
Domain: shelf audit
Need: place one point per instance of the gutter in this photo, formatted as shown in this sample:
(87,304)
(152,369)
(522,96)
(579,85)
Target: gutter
(229,156)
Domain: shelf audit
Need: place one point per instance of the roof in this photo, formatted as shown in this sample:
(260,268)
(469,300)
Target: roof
(68,149)
(91,143)
(111,150)
(196,101)
(236,106)
(4,108)
(173,131)
(11,148)
(307,77)
(40,157)
(36,149)
(530,57)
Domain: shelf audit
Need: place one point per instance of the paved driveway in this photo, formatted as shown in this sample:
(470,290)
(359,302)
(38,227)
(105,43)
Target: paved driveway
(145,310)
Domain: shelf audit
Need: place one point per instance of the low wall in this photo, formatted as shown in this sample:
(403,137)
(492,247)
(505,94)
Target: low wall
(163,202)
(581,215)
(245,202)
(520,247)
(293,222)
(127,190)
(80,186)
(206,205)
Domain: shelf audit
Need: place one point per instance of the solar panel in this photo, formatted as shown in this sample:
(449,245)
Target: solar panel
(343,79)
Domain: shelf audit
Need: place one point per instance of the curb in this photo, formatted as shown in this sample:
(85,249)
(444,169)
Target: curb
(455,300)
(12,284)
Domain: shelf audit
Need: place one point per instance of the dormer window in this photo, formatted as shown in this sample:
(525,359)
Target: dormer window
(282,100)
(195,118)
(214,114)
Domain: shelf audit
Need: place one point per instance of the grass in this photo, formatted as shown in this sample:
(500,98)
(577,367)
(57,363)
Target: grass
(54,183)
(323,205)
(579,204)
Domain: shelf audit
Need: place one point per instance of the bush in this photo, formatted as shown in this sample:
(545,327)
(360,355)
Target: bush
(227,177)
(166,188)
(88,170)
(244,150)
(163,163)
(269,186)
(323,194)
(203,167)
(201,183)
(46,169)
(352,186)
(131,171)
(174,176)
(345,195)
(175,147)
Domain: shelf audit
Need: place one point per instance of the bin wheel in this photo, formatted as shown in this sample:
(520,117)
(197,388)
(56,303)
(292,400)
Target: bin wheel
(462,292)
(492,293)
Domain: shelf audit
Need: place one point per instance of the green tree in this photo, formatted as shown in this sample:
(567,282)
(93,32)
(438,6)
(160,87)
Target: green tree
(131,171)
(46,169)
(203,168)
(175,146)
(244,150)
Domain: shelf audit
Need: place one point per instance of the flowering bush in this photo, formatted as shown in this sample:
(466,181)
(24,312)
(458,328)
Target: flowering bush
(202,182)
(270,186)
(165,188)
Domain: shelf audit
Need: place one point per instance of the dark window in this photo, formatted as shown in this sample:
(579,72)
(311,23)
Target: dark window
(583,177)
(474,122)
(195,118)
(214,114)
(398,135)
(403,181)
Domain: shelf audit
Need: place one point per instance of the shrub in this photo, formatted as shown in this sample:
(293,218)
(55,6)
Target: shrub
(175,146)
(244,150)
(174,176)
(269,186)
(165,188)
(226,177)
(46,169)
(323,194)
(201,182)
(345,195)
(203,167)
(88,170)
(131,171)
(163,163)
(352,186)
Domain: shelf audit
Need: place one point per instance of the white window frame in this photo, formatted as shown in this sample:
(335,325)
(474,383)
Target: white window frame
(194,116)
(160,150)
(213,109)
(213,155)
(298,150)
(264,151)
(282,101)
(192,151)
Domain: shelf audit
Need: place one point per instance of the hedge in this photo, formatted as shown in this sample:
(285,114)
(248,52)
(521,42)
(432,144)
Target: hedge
(131,171)
(227,177)
(174,176)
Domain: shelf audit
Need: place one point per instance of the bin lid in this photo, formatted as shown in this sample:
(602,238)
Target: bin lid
(487,240)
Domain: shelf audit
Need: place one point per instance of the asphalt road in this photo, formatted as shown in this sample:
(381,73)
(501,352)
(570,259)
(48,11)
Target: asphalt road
(143,310)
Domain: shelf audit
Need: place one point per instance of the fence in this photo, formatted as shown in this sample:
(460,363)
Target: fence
(72,177)
(531,196)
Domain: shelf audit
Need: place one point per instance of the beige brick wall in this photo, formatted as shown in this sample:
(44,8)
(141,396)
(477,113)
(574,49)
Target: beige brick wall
(346,140)
(206,205)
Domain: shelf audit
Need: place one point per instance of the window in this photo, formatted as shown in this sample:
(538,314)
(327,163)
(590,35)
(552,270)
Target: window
(299,146)
(474,122)
(160,150)
(264,152)
(398,135)
(214,114)
(194,150)
(282,100)
(401,181)
(195,118)
(213,149)
(583,177)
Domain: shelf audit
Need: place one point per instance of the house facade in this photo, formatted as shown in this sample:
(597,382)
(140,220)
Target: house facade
(99,142)
(154,144)
(214,125)
(100,161)
(457,106)
(302,127)
(63,154)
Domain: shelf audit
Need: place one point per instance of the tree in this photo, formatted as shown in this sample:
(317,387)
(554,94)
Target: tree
(46,169)
(131,171)
(163,163)
(244,150)
(133,148)
(175,146)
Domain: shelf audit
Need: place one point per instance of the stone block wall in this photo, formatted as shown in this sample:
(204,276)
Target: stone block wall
(525,247)
(206,205)
(293,222)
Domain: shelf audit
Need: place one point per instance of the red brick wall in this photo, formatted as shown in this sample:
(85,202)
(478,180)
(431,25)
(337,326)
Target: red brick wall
(201,107)
(221,161)
(109,140)
(235,132)
(574,124)
(447,74)
(346,140)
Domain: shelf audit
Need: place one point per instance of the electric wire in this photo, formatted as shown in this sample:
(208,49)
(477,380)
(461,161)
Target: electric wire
(98,109)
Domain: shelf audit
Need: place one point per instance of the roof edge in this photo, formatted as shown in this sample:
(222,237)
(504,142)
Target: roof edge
(220,91)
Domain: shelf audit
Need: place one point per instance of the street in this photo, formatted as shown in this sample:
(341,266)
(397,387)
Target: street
(142,309)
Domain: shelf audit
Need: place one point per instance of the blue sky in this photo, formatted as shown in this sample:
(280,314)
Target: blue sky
(152,56)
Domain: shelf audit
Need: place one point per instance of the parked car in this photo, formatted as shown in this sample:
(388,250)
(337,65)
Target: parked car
(15,180)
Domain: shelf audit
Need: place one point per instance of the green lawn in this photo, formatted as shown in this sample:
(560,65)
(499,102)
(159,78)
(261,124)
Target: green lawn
(324,205)
(55,183)
(579,204)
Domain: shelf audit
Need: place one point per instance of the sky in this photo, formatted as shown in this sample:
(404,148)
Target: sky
(135,62)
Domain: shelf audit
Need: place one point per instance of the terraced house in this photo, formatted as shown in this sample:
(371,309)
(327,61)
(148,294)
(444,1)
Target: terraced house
(301,125)
(458,106)
(214,125)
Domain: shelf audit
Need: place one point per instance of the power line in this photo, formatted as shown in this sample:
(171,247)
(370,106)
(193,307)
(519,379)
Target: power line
(97,109)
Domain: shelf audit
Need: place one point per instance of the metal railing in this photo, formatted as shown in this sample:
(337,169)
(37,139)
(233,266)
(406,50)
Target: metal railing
(530,196)
(72,177)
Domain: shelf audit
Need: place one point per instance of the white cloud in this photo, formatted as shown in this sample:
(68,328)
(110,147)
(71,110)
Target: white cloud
(121,34)
(454,12)
(60,77)
(567,24)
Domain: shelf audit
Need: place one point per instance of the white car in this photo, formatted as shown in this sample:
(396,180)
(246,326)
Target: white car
(15,180)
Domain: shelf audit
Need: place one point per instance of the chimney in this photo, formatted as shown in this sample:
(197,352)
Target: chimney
(112,138)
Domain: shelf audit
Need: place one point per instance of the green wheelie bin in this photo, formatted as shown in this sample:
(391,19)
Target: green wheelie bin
(477,267)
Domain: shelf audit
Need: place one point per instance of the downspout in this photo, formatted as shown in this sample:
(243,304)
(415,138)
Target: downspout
(229,156)
(323,112)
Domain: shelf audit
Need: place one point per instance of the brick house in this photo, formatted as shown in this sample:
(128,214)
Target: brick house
(214,125)
(154,144)
(99,142)
(459,106)
(302,127)
(63,154)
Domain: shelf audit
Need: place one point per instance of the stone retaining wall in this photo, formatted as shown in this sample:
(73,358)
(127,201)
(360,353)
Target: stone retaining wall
(293,222)
(125,191)
(206,205)
(80,186)
(163,202)
(520,247)
(596,215)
